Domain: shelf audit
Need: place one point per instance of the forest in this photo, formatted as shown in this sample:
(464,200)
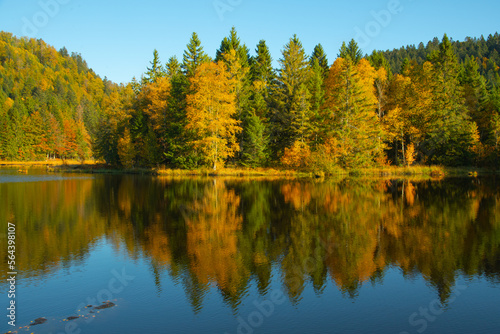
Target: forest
(437,104)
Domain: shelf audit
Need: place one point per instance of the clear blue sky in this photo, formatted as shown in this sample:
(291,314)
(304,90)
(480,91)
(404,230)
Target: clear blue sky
(117,37)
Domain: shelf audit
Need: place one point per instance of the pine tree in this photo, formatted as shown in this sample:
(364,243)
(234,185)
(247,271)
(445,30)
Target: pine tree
(156,70)
(475,94)
(351,51)
(173,67)
(194,56)
(261,65)
(256,142)
(291,115)
(452,136)
(319,55)
(235,56)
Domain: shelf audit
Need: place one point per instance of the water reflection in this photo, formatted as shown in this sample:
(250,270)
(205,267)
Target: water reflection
(228,234)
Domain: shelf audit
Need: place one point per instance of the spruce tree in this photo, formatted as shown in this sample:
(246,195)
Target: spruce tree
(319,55)
(173,67)
(453,135)
(291,113)
(316,86)
(256,139)
(261,65)
(194,56)
(156,70)
(235,57)
(233,43)
(475,94)
(352,51)
(255,148)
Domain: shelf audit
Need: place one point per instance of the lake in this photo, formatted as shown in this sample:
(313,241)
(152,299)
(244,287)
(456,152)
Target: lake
(227,255)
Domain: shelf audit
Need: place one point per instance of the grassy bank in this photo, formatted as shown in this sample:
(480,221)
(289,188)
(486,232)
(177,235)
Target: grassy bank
(52,162)
(94,167)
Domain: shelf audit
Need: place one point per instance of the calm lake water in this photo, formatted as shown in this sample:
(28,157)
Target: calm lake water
(236,256)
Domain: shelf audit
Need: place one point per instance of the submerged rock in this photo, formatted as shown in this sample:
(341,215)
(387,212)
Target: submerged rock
(72,318)
(105,305)
(38,321)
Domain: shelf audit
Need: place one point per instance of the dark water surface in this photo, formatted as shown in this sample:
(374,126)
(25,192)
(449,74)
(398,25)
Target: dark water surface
(267,256)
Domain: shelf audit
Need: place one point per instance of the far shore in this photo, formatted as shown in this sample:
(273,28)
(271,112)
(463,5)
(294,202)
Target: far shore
(96,167)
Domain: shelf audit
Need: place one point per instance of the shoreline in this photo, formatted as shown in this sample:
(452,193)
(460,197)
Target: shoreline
(93,167)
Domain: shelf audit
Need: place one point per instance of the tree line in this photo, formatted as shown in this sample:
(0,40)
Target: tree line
(236,109)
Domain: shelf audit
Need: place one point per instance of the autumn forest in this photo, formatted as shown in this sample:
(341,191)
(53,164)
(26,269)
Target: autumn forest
(428,104)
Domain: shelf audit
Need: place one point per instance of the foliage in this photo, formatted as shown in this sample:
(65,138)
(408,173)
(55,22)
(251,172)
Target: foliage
(434,104)
(126,150)
(297,156)
(50,101)
(210,111)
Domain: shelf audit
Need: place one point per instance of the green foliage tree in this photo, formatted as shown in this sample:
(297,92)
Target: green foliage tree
(453,136)
(320,55)
(236,58)
(193,56)
(291,114)
(351,51)
(156,70)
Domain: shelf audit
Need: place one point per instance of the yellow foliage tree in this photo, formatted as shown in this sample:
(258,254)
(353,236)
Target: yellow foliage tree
(350,113)
(126,150)
(410,154)
(155,96)
(210,111)
(297,156)
(367,75)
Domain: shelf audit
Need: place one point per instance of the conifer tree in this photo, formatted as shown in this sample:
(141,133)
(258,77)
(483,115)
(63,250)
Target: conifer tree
(351,122)
(316,86)
(235,56)
(261,65)
(475,94)
(291,113)
(453,136)
(255,150)
(178,153)
(351,51)
(256,139)
(194,56)
(173,67)
(233,43)
(319,55)
(156,70)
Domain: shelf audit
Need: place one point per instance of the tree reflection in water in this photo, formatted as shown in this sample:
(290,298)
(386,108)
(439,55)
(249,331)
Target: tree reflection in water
(227,233)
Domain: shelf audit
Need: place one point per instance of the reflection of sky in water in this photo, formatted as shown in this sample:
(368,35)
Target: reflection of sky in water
(379,308)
